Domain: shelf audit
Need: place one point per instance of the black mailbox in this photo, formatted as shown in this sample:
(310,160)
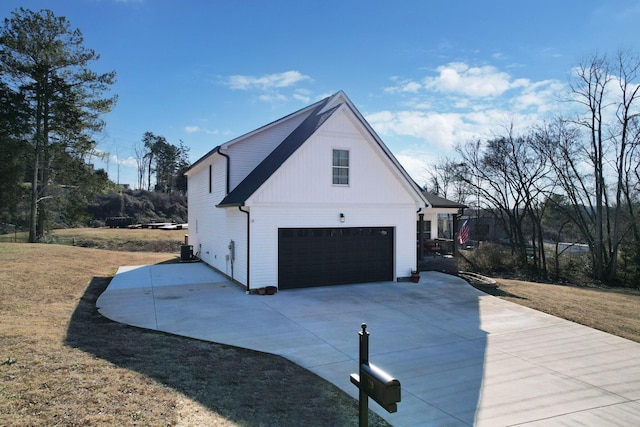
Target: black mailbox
(378,385)
(373,382)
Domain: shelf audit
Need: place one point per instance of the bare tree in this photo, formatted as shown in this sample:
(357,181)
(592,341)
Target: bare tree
(140,152)
(628,136)
(608,94)
(442,181)
(509,175)
(588,89)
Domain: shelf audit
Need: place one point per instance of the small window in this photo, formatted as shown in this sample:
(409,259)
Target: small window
(341,167)
(210,179)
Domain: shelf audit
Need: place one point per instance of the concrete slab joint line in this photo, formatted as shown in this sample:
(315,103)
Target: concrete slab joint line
(155,308)
(462,357)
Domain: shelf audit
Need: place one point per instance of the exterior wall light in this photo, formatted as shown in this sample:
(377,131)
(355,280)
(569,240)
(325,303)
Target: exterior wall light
(341,217)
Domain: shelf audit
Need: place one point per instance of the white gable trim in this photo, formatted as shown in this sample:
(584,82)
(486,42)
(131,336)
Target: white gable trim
(393,161)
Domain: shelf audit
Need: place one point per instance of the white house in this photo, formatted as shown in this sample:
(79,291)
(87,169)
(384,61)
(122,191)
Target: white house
(314,198)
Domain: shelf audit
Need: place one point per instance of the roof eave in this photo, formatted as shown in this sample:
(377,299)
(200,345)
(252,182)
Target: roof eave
(202,159)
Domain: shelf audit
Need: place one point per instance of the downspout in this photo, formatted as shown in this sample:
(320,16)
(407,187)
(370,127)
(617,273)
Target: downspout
(227,191)
(226,156)
(420,235)
(248,252)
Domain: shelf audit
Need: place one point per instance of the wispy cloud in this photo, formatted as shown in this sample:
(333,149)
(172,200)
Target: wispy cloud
(191,129)
(303,95)
(272,87)
(266,82)
(541,96)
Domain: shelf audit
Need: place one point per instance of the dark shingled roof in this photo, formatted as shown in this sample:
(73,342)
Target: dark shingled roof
(441,202)
(239,195)
(217,149)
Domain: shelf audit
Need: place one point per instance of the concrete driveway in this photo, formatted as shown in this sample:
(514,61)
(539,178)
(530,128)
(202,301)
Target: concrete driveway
(462,357)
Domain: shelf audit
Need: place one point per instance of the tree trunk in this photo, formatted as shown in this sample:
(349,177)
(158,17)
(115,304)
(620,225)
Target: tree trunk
(33,213)
(37,144)
(46,161)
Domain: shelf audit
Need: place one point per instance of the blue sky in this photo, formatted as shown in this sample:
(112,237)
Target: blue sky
(425,74)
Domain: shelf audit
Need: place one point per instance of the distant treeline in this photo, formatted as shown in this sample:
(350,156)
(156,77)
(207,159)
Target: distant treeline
(140,205)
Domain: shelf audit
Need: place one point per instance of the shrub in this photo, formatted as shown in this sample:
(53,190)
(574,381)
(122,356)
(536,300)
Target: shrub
(630,264)
(488,258)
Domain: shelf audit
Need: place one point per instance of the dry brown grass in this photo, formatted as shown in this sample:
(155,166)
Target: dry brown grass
(122,234)
(117,239)
(611,310)
(137,240)
(62,363)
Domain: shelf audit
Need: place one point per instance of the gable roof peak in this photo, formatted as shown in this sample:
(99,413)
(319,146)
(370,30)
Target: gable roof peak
(336,99)
(315,115)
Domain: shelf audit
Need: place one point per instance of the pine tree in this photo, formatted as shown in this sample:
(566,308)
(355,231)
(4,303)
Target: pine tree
(45,63)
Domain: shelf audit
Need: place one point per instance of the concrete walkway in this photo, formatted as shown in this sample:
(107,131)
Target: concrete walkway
(461,356)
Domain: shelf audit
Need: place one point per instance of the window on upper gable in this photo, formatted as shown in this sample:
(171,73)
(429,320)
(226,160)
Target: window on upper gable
(341,167)
(210,179)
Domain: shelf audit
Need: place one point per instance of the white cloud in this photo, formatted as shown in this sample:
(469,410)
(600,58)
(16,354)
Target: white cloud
(416,163)
(459,78)
(272,97)
(485,81)
(404,86)
(459,103)
(542,96)
(462,103)
(303,95)
(271,86)
(440,130)
(197,129)
(267,82)
(129,162)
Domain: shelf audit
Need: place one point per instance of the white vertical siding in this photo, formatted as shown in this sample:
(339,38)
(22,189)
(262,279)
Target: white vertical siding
(210,228)
(306,177)
(246,154)
(301,194)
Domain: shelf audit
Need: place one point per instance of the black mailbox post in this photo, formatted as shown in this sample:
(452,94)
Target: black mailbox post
(373,382)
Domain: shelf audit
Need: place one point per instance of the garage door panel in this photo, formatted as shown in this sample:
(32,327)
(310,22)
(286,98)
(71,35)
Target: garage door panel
(328,256)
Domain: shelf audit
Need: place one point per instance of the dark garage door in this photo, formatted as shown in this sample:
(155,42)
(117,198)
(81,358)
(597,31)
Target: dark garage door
(333,256)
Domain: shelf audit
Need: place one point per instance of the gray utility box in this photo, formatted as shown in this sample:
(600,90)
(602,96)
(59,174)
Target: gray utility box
(379,386)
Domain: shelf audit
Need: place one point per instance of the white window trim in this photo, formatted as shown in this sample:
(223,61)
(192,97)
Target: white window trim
(342,167)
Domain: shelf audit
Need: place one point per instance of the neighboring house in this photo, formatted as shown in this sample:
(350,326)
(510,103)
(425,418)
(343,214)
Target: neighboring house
(314,198)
